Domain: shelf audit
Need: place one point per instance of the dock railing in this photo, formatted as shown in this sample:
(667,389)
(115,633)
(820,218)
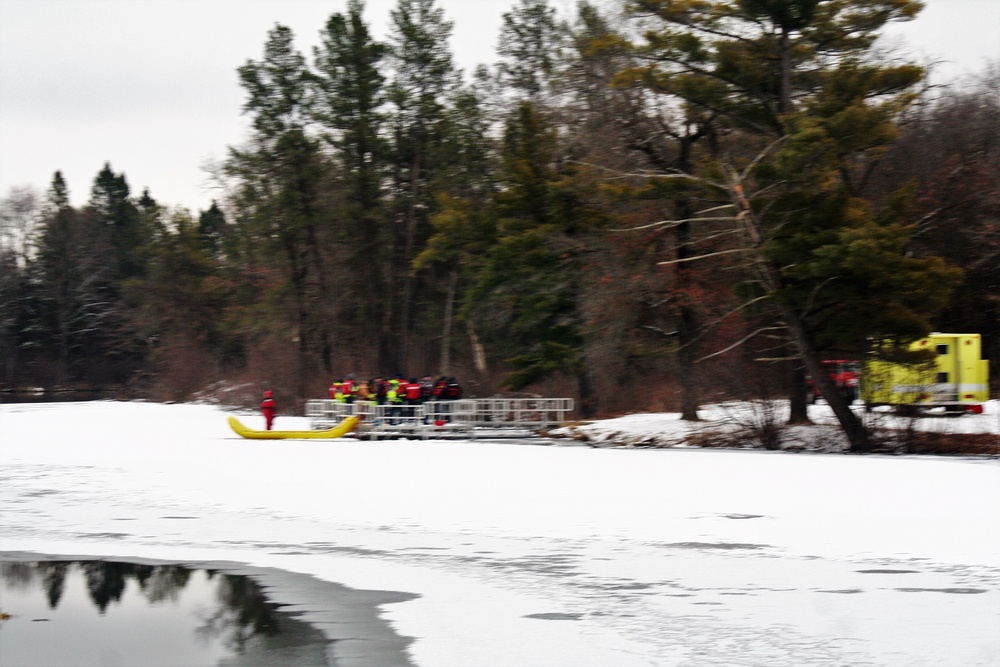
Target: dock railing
(465,417)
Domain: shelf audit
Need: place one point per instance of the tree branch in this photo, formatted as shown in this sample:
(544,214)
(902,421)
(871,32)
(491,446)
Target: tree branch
(706,256)
(739,342)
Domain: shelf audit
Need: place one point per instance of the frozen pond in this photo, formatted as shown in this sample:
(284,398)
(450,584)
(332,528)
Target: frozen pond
(519,554)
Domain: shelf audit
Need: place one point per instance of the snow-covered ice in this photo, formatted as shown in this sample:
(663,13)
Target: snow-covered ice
(541,554)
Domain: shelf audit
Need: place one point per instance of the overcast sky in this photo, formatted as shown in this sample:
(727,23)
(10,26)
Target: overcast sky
(151,86)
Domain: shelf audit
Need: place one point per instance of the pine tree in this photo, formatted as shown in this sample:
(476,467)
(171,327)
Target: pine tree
(280,178)
(185,306)
(529,48)
(424,76)
(114,212)
(797,72)
(350,109)
(20,213)
(531,284)
(464,185)
(212,229)
(663,138)
(81,313)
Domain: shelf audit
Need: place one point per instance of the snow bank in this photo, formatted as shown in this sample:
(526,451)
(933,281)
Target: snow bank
(669,430)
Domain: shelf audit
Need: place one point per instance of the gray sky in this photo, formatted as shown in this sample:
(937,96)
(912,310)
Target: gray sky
(151,86)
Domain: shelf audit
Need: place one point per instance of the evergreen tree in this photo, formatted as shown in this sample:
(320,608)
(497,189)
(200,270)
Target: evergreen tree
(464,185)
(19,220)
(529,48)
(612,107)
(184,307)
(81,312)
(351,98)
(12,287)
(280,178)
(350,109)
(532,283)
(61,269)
(114,212)
(212,229)
(424,76)
(797,71)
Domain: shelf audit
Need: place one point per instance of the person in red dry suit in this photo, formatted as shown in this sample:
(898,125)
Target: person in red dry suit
(269,408)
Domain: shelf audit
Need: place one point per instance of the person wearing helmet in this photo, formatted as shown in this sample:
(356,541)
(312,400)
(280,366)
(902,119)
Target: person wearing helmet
(269,408)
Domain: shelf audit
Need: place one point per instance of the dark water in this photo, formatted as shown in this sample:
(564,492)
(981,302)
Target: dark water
(78,613)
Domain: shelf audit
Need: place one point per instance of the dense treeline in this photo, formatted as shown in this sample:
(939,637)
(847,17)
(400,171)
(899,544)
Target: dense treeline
(641,210)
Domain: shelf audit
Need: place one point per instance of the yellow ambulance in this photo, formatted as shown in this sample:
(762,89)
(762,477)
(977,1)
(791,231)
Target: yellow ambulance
(955,377)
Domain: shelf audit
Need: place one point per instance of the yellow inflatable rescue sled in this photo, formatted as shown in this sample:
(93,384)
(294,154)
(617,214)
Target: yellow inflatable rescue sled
(338,431)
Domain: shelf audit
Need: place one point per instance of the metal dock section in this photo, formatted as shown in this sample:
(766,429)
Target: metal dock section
(468,418)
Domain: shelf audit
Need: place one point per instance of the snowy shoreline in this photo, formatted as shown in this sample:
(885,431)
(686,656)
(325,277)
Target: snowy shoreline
(539,555)
(720,421)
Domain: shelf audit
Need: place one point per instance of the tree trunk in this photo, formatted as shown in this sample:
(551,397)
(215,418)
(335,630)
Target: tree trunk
(298,272)
(449,306)
(478,351)
(852,427)
(798,405)
(409,241)
(687,331)
(785,94)
(588,399)
(687,325)
(63,325)
(319,269)
(855,431)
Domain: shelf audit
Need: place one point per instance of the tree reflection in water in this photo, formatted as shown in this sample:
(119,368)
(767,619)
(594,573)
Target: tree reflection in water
(53,580)
(242,613)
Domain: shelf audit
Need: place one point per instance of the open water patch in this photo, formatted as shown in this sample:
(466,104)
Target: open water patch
(95,612)
(69,612)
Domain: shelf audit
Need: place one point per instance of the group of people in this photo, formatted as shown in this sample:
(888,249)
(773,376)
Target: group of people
(396,390)
(402,396)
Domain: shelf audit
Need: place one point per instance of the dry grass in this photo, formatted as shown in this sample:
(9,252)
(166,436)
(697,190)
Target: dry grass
(719,439)
(903,441)
(954,444)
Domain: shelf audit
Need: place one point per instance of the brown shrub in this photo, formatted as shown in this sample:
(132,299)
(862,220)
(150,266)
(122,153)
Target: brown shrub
(954,444)
(183,368)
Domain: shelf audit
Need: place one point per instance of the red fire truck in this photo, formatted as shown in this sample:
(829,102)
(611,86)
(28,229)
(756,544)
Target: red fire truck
(846,376)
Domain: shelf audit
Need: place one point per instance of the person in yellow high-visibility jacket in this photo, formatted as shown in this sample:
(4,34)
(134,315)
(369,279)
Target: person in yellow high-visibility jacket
(394,396)
(336,391)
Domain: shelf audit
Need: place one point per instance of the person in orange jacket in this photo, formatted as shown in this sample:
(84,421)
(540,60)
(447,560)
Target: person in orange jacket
(269,408)
(349,389)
